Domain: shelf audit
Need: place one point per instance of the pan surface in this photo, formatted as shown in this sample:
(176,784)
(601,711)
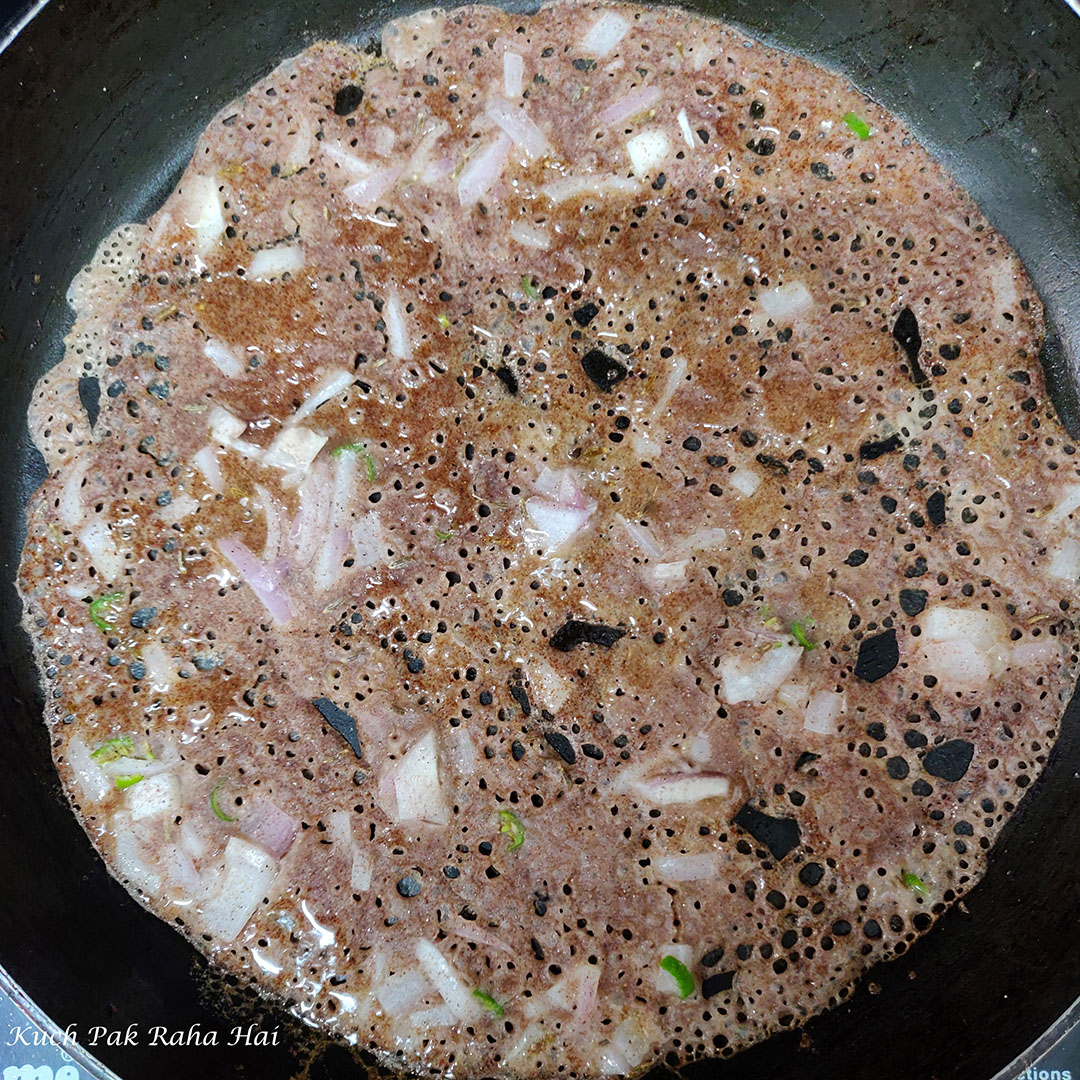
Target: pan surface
(101,101)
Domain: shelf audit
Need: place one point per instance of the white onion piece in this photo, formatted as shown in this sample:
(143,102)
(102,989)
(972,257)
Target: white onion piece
(634,1039)
(513,74)
(822,710)
(611,1063)
(89,776)
(983,629)
(330,562)
(352,164)
(557,524)
(748,678)
(641,536)
(686,867)
(399,340)
(366,192)
(605,34)
(671,386)
(647,151)
(668,574)
(201,211)
(262,581)
(418,164)
(153,796)
(273,263)
(573,187)
(483,170)
(699,749)
(530,236)
(160,667)
(369,544)
(587,998)
(294,448)
(178,509)
(205,460)
(440,1016)
(299,145)
(180,869)
(684,127)
(1066,505)
(1065,564)
(193,841)
(470,932)
(310,525)
(1033,653)
(785,300)
(745,481)
(132,766)
(329,386)
(516,123)
(360,873)
(406,41)
(958,664)
(275,515)
(707,539)
(344,486)
(71,505)
(128,859)
(451,988)
(637,101)
(247,878)
(385,137)
(684,787)
(224,426)
(416,783)
(97,540)
(269,826)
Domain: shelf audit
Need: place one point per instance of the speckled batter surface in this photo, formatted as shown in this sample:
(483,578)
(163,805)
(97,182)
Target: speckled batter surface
(557,552)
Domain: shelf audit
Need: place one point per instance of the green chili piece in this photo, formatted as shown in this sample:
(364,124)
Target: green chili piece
(512,826)
(680,973)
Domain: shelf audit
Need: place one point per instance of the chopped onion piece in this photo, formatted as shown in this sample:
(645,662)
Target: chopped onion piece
(483,169)
(663,980)
(418,166)
(224,427)
(671,386)
(128,860)
(406,41)
(201,210)
(299,146)
(684,787)
(557,524)
(669,573)
(785,300)
(71,505)
(272,263)
(294,448)
(262,581)
(605,34)
(97,540)
(440,1016)
(385,137)
(349,162)
(366,192)
(1066,505)
(160,667)
(572,187)
(686,868)
(443,977)
(177,510)
(153,796)
(756,678)
(416,784)
(745,481)
(958,664)
(1032,653)
(269,826)
(637,101)
(329,386)
(647,151)
(399,341)
(205,460)
(513,74)
(983,629)
(516,123)
(1065,564)
(634,1038)
(530,236)
(247,878)
(641,536)
(330,562)
(369,544)
(822,710)
(88,774)
(687,133)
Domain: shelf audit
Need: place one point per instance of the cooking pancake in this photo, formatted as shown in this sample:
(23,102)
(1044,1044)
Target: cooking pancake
(557,551)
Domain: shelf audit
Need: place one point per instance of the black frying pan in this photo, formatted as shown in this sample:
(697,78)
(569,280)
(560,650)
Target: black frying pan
(101,101)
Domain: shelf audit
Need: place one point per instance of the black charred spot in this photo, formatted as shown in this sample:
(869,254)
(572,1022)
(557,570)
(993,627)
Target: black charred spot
(935,508)
(807,757)
(872,929)
(906,333)
(586,313)
(732,597)
(409,886)
(517,692)
(897,768)
(142,617)
(413,662)
(870,451)
(713,957)
(878,655)
(574,633)
(507,378)
(912,601)
(561,745)
(341,722)
(822,171)
(604,371)
(90,397)
(517,750)
(779,835)
(764,147)
(347,99)
(856,558)
(950,760)
(811,874)
(582,64)
(717,984)
(949,352)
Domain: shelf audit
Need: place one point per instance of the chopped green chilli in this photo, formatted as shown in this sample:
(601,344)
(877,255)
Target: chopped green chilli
(858,125)
(105,611)
(361,451)
(798,632)
(111,749)
(512,826)
(440,534)
(123,782)
(680,973)
(913,881)
(444,322)
(216,806)
(529,288)
(489,1002)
